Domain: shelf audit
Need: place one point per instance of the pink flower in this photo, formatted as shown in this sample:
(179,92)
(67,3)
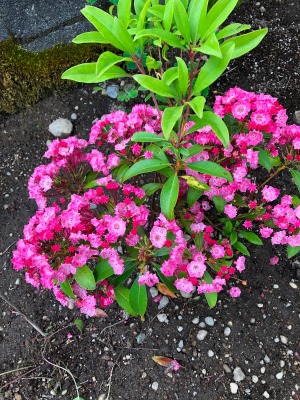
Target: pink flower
(117,226)
(148,279)
(240,263)
(217,251)
(184,284)
(266,232)
(196,269)
(230,210)
(270,193)
(274,260)
(235,291)
(148,154)
(158,236)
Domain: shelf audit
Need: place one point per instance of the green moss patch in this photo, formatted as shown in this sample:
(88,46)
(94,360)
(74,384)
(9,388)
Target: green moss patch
(26,76)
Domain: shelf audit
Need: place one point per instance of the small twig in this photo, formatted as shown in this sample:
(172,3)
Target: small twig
(18,378)
(34,325)
(14,370)
(109,382)
(7,248)
(110,326)
(228,72)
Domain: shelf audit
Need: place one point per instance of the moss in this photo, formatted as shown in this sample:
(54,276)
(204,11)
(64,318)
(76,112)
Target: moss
(26,76)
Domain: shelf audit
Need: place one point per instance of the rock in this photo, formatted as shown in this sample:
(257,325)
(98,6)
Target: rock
(266,395)
(61,128)
(162,317)
(73,116)
(296,117)
(226,368)
(163,302)
(227,331)
(209,321)
(279,375)
(234,388)
(283,339)
(112,91)
(262,9)
(153,291)
(238,374)
(140,338)
(180,328)
(154,386)
(267,359)
(201,335)
(293,285)
(185,294)
(254,378)
(195,321)
(210,353)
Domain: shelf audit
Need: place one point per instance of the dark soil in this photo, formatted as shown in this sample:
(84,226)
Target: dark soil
(106,359)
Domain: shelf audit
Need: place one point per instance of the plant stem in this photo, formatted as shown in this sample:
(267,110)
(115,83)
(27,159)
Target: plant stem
(272,176)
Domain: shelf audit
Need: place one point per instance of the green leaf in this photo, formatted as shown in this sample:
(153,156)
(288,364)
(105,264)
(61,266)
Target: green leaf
(158,11)
(154,85)
(232,29)
(151,63)
(119,279)
(193,195)
(210,46)
(296,177)
(124,8)
(233,237)
(89,37)
(122,170)
(166,37)
(158,152)
(211,298)
(197,15)
(168,15)
(138,297)
(197,104)
(228,227)
(241,248)
(167,280)
(292,251)
(194,183)
(193,150)
(141,21)
(216,16)
(79,324)
(103,270)
(210,168)
(213,69)
(251,237)
(86,73)
(67,288)
(219,203)
(267,161)
(170,75)
(107,60)
(247,42)
(122,298)
(183,75)
(144,166)
(170,116)
(217,125)
(85,278)
(146,137)
(151,188)
(169,196)
(182,21)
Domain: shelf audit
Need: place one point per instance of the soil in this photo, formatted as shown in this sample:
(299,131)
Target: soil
(109,359)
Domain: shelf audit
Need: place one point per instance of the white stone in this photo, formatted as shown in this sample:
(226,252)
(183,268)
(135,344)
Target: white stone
(267,359)
(153,291)
(283,339)
(275,286)
(112,91)
(209,321)
(282,363)
(154,386)
(279,375)
(195,321)
(266,395)
(296,117)
(73,116)
(233,388)
(227,368)
(61,128)
(180,328)
(238,374)
(163,302)
(180,344)
(210,353)
(201,335)
(293,285)
(254,378)
(227,331)
(260,305)
(162,317)
(263,370)
(185,294)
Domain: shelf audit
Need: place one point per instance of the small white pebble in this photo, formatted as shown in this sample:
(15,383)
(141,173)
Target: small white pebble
(233,388)
(282,363)
(263,370)
(283,339)
(275,286)
(162,317)
(180,328)
(179,317)
(17,281)
(238,374)
(227,331)
(254,378)
(154,386)
(163,302)
(153,291)
(180,344)
(229,323)
(266,395)
(210,353)
(252,320)
(260,305)
(276,340)
(195,321)
(279,375)
(202,325)
(267,359)
(201,335)
(293,285)
(209,321)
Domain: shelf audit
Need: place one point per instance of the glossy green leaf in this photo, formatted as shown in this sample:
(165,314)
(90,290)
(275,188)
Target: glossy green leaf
(251,237)
(151,63)
(197,15)
(67,288)
(85,278)
(167,37)
(89,37)
(103,270)
(210,168)
(170,116)
(158,11)
(144,166)
(151,188)
(117,280)
(267,161)
(218,126)
(183,75)
(124,9)
(193,195)
(79,324)
(107,60)
(146,137)
(232,29)
(138,297)
(182,21)
(154,85)
(122,298)
(141,21)
(213,69)
(193,150)
(194,183)
(247,42)
(228,227)
(169,196)
(241,248)
(292,251)
(168,15)
(138,6)
(197,105)
(167,280)
(219,203)
(170,75)
(296,177)
(233,238)
(158,152)
(121,171)
(211,46)
(86,73)
(211,298)
(216,16)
